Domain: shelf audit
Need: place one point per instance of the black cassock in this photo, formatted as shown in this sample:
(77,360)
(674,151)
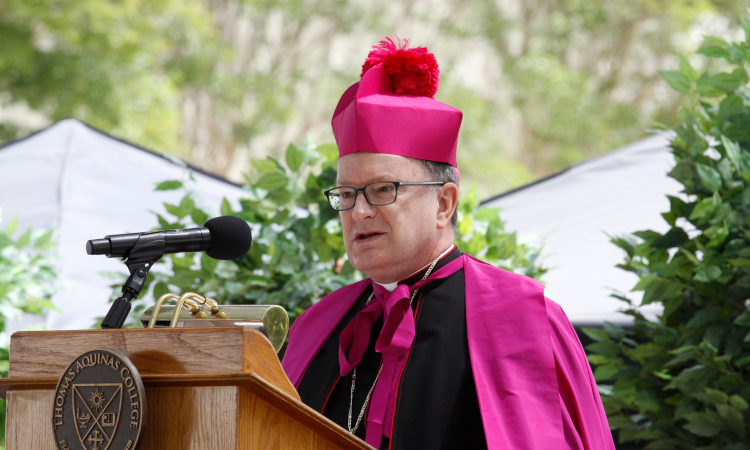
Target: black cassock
(436,403)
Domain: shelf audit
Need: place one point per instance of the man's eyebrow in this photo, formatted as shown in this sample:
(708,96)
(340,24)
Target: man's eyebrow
(372,179)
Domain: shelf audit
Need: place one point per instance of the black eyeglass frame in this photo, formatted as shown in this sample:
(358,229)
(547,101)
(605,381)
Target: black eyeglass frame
(397,184)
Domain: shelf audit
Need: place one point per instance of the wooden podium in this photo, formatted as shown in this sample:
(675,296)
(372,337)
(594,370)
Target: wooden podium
(206,388)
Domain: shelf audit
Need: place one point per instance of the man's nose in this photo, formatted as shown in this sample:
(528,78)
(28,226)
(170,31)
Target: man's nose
(362,208)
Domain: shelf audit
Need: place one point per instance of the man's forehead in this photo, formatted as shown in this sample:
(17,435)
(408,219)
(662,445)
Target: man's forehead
(366,168)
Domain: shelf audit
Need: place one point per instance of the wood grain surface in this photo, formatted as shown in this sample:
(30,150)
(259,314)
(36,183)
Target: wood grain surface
(166,350)
(259,357)
(29,421)
(191,418)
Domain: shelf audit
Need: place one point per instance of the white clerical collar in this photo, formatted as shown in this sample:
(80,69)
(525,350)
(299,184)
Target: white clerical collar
(390,287)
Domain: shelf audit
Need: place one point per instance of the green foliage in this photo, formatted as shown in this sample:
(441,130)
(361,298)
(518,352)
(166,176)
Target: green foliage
(118,66)
(298,255)
(25,285)
(682,382)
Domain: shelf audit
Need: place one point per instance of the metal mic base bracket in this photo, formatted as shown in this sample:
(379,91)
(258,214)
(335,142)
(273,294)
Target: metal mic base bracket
(146,251)
(117,314)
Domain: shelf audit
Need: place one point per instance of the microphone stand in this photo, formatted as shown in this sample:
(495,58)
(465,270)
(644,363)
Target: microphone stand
(147,250)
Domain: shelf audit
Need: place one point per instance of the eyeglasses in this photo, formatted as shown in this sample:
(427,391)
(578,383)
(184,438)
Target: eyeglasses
(380,193)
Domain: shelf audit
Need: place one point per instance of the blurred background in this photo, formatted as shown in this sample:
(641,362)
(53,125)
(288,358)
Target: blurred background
(542,84)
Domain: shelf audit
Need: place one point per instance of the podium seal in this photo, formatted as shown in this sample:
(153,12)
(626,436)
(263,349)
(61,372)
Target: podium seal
(99,403)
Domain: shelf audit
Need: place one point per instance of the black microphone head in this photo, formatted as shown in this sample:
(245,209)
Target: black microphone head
(230,237)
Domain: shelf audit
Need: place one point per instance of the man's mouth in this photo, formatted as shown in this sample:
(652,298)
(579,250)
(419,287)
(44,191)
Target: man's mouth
(367,236)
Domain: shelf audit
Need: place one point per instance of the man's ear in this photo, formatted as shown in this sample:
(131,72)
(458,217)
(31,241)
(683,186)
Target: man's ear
(447,203)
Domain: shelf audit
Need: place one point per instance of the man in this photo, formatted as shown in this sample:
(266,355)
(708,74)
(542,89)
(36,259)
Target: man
(435,350)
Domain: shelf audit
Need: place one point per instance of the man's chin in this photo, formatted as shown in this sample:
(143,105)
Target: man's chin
(373,266)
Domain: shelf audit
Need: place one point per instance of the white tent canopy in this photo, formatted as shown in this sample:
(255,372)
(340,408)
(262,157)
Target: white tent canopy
(86,184)
(572,212)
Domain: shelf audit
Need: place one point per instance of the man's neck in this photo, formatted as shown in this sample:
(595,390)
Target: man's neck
(392,286)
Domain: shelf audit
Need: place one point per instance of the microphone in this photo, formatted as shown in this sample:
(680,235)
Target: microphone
(225,237)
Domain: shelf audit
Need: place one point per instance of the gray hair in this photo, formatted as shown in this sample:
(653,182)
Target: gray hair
(437,171)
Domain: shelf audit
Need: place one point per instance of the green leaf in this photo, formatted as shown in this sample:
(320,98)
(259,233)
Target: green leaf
(711,396)
(718,42)
(264,165)
(271,181)
(717,234)
(643,352)
(476,244)
(698,147)
(707,273)
(726,82)
(681,358)
(683,349)
(674,238)
(183,262)
(732,417)
(12,226)
(704,316)
(168,185)
(24,240)
(488,214)
(732,150)
(160,289)
(743,319)
(207,263)
(705,88)
(606,371)
(703,428)
(705,207)
(738,402)
(657,289)
(730,106)
(44,242)
(739,262)
(687,70)
(710,178)
(329,151)
(466,225)
(605,348)
(715,52)
(187,204)
(226,207)
(682,172)
(597,359)
(163,223)
(676,80)
(746,28)
(596,334)
(199,216)
(294,158)
(175,211)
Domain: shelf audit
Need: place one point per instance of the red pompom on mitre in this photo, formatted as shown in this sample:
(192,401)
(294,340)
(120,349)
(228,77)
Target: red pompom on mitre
(414,71)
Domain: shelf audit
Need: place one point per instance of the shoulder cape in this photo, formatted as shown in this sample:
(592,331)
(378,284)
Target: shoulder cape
(534,383)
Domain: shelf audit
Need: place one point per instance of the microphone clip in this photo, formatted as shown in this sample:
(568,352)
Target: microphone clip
(149,248)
